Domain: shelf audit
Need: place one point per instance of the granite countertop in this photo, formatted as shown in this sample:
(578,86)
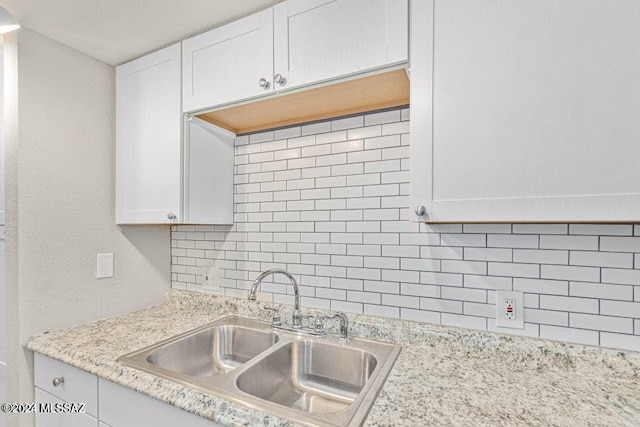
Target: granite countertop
(443,376)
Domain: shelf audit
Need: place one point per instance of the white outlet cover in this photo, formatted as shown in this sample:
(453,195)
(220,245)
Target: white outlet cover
(213,282)
(517,316)
(104,266)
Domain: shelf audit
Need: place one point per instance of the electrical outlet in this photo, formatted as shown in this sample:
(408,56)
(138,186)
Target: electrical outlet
(510,309)
(211,279)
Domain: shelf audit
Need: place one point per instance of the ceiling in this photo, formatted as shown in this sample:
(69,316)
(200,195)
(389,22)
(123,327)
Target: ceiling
(117,31)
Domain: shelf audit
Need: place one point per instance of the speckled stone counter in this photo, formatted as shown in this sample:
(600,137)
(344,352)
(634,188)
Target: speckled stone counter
(443,376)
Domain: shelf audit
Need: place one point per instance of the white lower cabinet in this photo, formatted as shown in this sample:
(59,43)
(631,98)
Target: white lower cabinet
(66,383)
(58,419)
(123,407)
(105,404)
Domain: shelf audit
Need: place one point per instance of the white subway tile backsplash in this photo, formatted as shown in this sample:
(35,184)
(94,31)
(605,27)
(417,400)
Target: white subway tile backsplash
(561,272)
(441,305)
(382,311)
(329,202)
(583,243)
(480,310)
(601,259)
(627,342)
(434,278)
(620,244)
(601,290)
(348,123)
(316,128)
(464,321)
(488,282)
(546,317)
(620,308)
(420,290)
(487,228)
(382,117)
(602,229)
(488,254)
(580,305)
(420,315)
(512,241)
(601,323)
(464,294)
(619,276)
(467,267)
(540,256)
(540,228)
(514,269)
(579,336)
(382,142)
(466,240)
(538,286)
(366,132)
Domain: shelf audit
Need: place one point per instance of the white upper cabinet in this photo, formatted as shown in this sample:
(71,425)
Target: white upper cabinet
(162,178)
(229,63)
(525,110)
(148,139)
(295,43)
(316,40)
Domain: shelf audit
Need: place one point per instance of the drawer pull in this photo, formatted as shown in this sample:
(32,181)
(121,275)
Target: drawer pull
(58,381)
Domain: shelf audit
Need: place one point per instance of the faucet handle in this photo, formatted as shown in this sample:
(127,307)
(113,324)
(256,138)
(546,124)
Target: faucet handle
(276,320)
(344,324)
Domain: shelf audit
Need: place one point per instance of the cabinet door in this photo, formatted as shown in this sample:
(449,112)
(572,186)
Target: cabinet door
(226,64)
(317,40)
(208,190)
(47,417)
(123,407)
(535,110)
(148,133)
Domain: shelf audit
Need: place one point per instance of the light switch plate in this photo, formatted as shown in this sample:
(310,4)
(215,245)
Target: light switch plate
(104,267)
(510,309)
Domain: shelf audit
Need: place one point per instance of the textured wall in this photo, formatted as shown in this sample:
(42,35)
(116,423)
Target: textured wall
(60,201)
(328,202)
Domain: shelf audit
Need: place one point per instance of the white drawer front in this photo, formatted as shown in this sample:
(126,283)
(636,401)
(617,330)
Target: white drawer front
(78,386)
(51,419)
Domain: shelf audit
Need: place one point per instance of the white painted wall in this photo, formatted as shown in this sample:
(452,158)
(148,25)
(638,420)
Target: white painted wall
(60,154)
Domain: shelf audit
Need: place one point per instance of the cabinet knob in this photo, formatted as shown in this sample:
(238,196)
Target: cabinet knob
(171,216)
(279,80)
(57,381)
(263,83)
(421,210)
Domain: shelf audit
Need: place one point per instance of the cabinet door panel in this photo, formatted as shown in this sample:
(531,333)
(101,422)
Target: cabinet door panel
(148,128)
(225,65)
(208,192)
(318,40)
(535,111)
(123,407)
(59,419)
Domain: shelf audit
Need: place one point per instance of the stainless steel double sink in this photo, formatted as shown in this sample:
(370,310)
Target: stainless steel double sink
(313,381)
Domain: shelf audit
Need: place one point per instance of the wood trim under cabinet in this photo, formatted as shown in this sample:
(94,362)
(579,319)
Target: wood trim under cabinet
(376,92)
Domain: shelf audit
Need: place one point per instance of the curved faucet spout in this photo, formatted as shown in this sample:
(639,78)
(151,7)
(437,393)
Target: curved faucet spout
(297,315)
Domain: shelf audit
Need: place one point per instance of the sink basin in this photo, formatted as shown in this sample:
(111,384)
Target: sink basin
(310,376)
(312,381)
(213,351)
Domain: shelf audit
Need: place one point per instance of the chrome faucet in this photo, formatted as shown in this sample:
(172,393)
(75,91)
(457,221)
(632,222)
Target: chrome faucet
(297,314)
(344,325)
